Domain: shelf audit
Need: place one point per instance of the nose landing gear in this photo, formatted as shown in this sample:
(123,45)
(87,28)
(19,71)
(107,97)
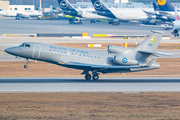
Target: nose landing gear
(26,62)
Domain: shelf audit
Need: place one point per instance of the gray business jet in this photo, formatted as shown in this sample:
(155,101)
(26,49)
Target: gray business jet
(117,60)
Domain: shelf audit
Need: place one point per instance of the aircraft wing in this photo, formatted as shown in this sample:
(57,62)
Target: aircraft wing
(22,15)
(157,26)
(101,66)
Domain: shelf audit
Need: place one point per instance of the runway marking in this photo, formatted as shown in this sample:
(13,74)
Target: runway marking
(1,53)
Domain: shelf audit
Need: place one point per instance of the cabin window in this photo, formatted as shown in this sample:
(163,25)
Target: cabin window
(29,8)
(87,56)
(94,57)
(72,54)
(76,54)
(98,58)
(84,55)
(15,8)
(64,52)
(91,57)
(57,51)
(25,8)
(79,54)
(54,51)
(50,50)
(61,52)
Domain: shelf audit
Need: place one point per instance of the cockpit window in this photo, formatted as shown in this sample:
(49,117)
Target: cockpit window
(27,45)
(21,45)
(24,45)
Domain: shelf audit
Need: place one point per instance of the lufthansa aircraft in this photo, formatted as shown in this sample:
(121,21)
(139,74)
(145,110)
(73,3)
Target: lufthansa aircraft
(122,14)
(86,13)
(117,60)
(24,14)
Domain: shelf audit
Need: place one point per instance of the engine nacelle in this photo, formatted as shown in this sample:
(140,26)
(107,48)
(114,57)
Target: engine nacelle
(117,49)
(121,60)
(175,31)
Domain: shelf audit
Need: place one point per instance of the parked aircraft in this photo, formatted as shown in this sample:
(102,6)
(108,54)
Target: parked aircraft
(164,11)
(117,60)
(24,14)
(122,14)
(86,14)
(175,24)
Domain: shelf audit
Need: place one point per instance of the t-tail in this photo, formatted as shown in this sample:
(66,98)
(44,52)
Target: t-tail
(165,5)
(102,9)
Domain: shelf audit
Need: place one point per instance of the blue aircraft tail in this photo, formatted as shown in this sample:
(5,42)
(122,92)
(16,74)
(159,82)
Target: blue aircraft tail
(165,5)
(155,5)
(0,9)
(65,5)
(102,9)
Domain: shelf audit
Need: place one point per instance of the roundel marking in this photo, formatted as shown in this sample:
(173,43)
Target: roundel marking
(97,5)
(161,2)
(152,39)
(63,4)
(124,60)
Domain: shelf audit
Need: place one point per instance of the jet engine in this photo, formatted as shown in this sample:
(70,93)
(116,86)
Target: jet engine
(117,49)
(175,31)
(121,60)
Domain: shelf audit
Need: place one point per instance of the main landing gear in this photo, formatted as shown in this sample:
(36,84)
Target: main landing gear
(26,62)
(88,77)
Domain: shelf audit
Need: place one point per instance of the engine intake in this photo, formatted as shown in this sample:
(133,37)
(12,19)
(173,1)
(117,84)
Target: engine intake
(175,31)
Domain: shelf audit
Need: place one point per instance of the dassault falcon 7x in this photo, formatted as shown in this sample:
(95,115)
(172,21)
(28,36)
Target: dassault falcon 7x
(117,60)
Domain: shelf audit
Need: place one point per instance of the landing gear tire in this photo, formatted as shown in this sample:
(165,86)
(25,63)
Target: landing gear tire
(25,66)
(95,77)
(87,76)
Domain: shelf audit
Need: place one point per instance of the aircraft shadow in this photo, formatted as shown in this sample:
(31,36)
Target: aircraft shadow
(55,80)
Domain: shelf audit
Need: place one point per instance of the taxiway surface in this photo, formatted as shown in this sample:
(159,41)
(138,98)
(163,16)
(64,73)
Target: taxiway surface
(119,84)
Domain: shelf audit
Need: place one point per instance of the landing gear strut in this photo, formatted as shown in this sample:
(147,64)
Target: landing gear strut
(26,62)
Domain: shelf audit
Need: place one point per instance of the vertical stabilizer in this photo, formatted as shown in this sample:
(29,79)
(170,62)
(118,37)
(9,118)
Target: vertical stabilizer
(176,13)
(102,9)
(151,43)
(165,5)
(65,5)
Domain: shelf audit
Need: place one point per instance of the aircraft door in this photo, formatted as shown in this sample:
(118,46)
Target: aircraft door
(36,51)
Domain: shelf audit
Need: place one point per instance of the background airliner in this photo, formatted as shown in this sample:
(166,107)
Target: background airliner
(86,14)
(175,24)
(117,60)
(26,14)
(122,14)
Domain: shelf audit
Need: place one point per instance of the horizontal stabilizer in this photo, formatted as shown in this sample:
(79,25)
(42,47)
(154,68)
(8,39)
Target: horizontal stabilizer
(155,53)
(102,66)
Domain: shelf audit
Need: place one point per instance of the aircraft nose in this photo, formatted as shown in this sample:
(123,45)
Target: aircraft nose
(9,50)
